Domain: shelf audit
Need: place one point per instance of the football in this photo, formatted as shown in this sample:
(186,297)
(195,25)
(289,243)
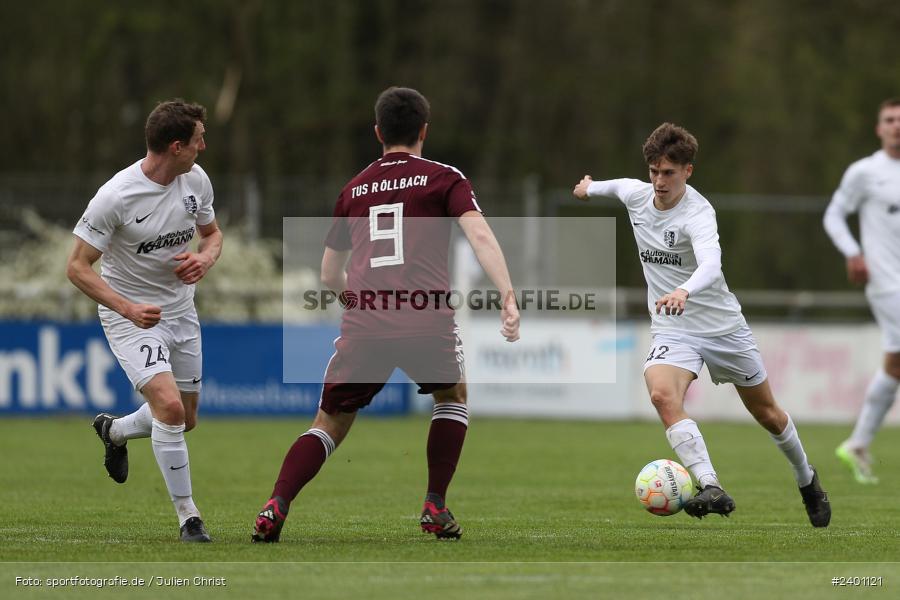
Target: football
(663,486)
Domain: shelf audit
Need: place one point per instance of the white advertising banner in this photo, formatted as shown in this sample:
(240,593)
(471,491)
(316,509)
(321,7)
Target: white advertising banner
(818,373)
(550,351)
(560,368)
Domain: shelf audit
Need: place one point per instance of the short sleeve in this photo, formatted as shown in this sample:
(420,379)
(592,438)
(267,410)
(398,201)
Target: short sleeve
(338,237)
(461,197)
(205,213)
(703,230)
(101,218)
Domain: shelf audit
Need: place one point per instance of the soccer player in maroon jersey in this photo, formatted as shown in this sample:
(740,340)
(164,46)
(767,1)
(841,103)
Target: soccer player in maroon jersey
(390,235)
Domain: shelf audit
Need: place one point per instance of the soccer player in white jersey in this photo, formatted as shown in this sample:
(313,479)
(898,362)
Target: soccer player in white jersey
(696,319)
(871,186)
(139,225)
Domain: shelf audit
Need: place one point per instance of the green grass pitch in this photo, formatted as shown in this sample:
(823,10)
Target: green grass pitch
(548,510)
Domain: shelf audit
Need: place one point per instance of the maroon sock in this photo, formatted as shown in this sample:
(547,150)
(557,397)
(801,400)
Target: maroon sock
(445,442)
(300,465)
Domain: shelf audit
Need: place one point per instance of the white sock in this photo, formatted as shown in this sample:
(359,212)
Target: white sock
(879,398)
(685,439)
(185,508)
(138,424)
(171,454)
(789,443)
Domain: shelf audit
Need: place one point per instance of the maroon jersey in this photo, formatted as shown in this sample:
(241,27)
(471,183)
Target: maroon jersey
(395,217)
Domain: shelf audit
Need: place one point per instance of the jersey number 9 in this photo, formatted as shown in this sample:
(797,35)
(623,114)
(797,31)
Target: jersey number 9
(394,233)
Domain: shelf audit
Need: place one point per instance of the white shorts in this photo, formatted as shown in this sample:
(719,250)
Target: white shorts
(884,307)
(730,358)
(171,345)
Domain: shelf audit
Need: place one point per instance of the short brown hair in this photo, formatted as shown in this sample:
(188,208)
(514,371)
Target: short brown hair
(400,114)
(671,142)
(889,103)
(171,121)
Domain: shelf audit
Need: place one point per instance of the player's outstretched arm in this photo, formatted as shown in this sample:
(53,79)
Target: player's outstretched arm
(194,265)
(490,255)
(80,271)
(581,188)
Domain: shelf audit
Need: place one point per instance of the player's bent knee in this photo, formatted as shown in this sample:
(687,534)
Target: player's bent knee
(768,416)
(450,399)
(662,399)
(170,411)
(336,425)
(456,394)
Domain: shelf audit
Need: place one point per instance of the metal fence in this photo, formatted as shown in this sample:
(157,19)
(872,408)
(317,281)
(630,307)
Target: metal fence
(254,208)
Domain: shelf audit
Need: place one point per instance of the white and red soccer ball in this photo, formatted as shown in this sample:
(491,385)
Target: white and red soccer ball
(663,486)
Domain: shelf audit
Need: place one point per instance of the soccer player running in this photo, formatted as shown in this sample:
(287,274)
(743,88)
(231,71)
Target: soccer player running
(139,225)
(869,186)
(391,232)
(696,319)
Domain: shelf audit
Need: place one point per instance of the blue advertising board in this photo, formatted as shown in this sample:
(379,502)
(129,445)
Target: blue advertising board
(48,367)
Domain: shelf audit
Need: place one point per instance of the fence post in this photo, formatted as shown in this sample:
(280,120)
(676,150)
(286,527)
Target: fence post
(252,204)
(531,231)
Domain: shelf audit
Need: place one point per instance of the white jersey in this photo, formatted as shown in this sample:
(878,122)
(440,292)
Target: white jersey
(870,186)
(667,241)
(139,226)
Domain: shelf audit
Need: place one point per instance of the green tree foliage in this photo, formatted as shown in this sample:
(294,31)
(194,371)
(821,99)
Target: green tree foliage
(782,95)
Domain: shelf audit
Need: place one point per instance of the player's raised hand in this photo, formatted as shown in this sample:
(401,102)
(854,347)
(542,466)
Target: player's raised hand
(193,266)
(144,316)
(673,302)
(581,189)
(857,271)
(509,316)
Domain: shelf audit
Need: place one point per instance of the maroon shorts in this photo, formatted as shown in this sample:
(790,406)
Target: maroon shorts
(359,368)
